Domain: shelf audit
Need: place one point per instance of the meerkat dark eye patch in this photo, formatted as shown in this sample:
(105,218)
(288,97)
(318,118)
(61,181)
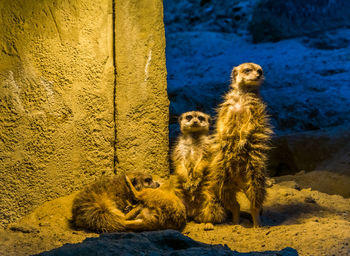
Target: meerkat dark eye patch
(148,180)
(189,117)
(134,181)
(201,118)
(247,70)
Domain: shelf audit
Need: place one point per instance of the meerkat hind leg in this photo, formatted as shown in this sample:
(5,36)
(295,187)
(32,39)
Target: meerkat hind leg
(135,225)
(133,213)
(255,205)
(145,219)
(231,204)
(255,212)
(235,212)
(208,226)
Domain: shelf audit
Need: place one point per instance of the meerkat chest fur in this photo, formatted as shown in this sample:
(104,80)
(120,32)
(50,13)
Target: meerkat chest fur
(237,113)
(192,148)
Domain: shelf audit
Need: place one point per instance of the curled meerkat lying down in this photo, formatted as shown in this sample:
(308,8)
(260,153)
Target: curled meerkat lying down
(156,209)
(101,207)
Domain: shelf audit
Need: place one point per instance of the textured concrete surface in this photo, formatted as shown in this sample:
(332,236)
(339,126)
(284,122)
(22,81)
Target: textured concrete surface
(141,96)
(56,100)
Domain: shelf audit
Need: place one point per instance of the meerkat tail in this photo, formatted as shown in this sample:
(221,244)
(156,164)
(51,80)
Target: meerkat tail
(211,212)
(100,215)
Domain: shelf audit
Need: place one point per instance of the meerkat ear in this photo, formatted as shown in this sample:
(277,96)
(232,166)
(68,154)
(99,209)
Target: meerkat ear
(209,118)
(233,74)
(137,183)
(134,182)
(180,118)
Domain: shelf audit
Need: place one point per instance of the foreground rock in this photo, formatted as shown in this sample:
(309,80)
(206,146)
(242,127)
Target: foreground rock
(168,242)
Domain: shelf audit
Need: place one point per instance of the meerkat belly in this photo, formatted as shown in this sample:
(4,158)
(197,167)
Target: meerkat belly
(191,156)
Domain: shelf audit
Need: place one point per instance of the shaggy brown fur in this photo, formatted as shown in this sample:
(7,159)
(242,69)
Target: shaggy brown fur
(101,207)
(156,209)
(241,141)
(190,159)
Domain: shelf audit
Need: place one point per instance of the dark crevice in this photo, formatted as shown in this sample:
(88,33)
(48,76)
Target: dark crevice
(115,158)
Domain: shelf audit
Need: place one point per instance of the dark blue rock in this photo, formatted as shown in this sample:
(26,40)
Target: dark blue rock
(155,243)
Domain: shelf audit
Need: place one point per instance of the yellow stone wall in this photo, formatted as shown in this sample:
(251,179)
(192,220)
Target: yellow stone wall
(141,92)
(58,96)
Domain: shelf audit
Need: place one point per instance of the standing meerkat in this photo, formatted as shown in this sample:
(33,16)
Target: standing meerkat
(101,207)
(241,141)
(191,159)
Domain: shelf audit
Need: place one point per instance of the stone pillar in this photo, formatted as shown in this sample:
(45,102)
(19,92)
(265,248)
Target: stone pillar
(141,90)
(56,99)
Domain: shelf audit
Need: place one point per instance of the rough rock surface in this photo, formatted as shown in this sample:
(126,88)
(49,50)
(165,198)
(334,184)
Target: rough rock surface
(60,104)
(305,88)
(324,149)
(206,15)
(168,242)
(142,105)
(262,20)
(275,20)
(56,100)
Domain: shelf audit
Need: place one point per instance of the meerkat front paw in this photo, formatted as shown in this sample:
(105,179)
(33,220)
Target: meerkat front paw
(208,226)
(194,185)
(187,185)
(241,144)
(128,208)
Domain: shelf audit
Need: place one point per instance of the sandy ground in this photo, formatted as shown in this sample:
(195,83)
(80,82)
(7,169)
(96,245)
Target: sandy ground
(312,222)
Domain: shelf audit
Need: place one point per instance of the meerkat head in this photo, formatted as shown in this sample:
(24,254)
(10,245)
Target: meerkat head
(247,77)
(194,122)
(142,180)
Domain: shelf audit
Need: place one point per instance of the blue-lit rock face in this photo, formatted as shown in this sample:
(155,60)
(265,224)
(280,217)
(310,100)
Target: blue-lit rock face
(307,85)
(275,20)
(305,88)
(168,242)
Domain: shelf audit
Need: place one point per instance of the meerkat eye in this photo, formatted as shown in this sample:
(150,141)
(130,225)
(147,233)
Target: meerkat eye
(148,180)
(260,72)
(189,117)
(201,118)
(247,70)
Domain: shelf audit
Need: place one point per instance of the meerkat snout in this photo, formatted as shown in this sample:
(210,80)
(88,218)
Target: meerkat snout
(260,73)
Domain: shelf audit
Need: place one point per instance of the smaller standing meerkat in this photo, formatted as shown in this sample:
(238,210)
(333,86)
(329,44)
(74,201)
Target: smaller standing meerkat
(156,209)
(190,159)
(240,143)
(101,207)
